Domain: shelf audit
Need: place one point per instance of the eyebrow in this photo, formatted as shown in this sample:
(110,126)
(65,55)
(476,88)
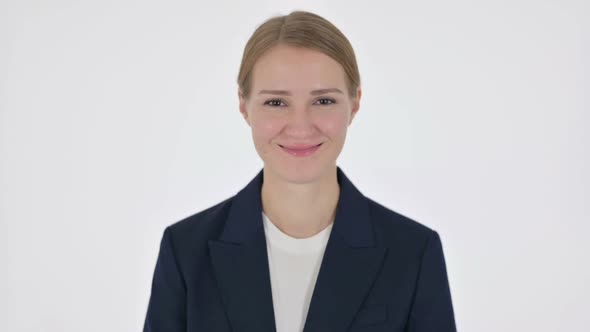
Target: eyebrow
(288,93)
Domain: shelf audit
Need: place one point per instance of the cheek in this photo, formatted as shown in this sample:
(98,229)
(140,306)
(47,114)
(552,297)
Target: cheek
(334,125)
(264,129)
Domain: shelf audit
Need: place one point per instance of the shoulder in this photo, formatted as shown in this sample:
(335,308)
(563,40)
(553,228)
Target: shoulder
(193,232)
(395,230)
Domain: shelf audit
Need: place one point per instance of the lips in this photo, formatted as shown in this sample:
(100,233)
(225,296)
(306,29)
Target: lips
(299,147)
(301,150)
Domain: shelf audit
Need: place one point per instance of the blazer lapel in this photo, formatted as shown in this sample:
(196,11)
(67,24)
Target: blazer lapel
(349,266)
(240,263)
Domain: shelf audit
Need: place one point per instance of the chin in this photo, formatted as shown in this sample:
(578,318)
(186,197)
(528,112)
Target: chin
(299,173)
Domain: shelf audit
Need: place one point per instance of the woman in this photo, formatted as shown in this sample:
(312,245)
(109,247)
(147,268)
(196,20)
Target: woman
(299,248)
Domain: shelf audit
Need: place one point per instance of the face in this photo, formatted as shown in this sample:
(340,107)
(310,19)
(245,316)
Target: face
(298,97)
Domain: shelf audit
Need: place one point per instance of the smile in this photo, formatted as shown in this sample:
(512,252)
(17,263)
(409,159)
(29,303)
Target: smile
(301,151)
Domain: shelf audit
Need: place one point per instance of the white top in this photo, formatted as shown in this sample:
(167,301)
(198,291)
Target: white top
(294,265)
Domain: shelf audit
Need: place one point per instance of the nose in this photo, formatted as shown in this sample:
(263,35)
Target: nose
(301,119)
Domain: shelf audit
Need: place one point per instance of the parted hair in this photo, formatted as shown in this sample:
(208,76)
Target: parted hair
(299,29)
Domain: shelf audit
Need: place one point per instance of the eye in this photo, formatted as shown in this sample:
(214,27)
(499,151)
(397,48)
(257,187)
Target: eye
(326,101)
(273,102)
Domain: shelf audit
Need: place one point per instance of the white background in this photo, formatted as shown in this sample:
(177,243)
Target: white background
(119,118)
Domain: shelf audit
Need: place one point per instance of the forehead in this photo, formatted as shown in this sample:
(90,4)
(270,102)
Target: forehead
(295,68)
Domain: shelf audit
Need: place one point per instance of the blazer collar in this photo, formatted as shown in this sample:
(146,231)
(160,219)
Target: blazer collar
(350,263)
(245,215)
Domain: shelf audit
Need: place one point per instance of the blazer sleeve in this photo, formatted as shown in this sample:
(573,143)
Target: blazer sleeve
(432,308)
(166,310)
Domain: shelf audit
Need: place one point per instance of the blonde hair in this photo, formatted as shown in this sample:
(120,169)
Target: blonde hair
(300,29)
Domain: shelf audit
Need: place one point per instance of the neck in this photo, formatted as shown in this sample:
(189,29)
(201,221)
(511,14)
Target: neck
(300,210)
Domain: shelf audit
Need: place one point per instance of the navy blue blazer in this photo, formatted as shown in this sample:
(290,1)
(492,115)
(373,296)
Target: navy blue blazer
(381,271)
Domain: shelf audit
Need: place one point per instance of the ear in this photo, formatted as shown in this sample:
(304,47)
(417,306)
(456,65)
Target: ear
(356,104)
(242,105)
